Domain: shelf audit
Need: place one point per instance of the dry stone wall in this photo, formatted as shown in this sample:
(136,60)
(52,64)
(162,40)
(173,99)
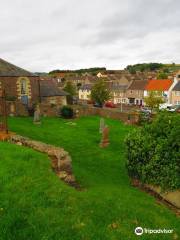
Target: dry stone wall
(60,159)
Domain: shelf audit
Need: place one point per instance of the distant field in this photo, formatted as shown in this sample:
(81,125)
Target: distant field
(36,205)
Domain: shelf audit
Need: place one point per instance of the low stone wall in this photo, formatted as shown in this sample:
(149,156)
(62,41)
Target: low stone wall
(171,197)
(60,159)
(15,108)
(131,118)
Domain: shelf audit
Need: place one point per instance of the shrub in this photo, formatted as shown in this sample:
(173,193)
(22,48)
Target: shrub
(11,98)
(67,112)
(153,154)
(31,110)
(144,118)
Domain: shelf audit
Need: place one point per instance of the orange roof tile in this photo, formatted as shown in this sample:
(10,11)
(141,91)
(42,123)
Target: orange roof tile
(158,85)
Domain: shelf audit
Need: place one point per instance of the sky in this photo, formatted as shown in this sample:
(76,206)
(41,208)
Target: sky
(42,35)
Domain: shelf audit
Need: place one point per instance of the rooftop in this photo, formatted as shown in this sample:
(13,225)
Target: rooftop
(48,88)
(138,85)
(86,87)
(9,70)
(159,85)
(177,86)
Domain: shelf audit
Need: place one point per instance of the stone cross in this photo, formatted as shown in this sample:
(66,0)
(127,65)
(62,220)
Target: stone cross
(105,137)
(37,119)
(102,125)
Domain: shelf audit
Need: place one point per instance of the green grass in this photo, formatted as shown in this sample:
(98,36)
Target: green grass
(36,205)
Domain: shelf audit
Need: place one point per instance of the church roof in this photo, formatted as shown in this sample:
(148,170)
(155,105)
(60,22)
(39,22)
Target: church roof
(9,70)
(48,88)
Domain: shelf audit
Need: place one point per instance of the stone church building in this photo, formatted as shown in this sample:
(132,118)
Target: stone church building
(18,83)
(23,89)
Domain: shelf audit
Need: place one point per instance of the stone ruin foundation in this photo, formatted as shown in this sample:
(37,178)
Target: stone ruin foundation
(60,159)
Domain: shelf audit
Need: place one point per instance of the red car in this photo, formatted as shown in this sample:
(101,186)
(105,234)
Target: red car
(110,105)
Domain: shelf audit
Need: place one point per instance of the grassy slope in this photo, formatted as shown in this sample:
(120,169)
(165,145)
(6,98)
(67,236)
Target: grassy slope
(37,205)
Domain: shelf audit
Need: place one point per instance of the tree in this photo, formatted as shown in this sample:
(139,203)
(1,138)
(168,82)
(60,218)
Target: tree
(154,99)
(69,88)
(162,75)
(100,93)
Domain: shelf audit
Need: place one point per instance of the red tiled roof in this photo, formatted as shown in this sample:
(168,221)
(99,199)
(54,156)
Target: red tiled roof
(158,85)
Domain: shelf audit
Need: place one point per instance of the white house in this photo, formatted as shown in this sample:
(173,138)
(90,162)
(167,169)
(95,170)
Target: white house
(85,92)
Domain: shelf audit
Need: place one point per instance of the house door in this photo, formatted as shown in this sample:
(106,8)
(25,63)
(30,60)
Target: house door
(24,99)
(131,100)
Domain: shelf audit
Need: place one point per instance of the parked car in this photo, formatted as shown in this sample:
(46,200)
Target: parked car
(98,105)
(146,110)
(110,105)
(165,106)
(175,108)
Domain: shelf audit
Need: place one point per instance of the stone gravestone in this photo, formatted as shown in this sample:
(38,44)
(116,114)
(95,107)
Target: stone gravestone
(105,137)
(37,119)
(102,125)
(12,109)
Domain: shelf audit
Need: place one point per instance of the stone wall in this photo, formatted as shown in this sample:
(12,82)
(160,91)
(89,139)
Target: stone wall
(60,159)
(105,112)
(172,198)
(15,108)
(49,110)
(55,100)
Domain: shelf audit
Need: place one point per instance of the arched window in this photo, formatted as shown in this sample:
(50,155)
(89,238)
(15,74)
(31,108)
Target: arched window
(23,86)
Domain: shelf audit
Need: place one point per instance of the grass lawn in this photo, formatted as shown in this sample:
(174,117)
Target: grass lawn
(36,205)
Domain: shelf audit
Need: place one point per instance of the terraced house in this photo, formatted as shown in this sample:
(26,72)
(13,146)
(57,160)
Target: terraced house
(135,92)
(161,87)
(175,95)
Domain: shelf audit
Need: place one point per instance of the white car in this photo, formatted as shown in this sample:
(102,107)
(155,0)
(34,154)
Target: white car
(165,106)
(173,108)
(146,110)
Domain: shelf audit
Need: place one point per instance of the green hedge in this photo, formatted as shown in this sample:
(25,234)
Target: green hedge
(67,112)
(153,152)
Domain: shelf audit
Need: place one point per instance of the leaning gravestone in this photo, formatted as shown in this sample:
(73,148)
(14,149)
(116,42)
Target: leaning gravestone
(102,125)
(105,137)
(37,119)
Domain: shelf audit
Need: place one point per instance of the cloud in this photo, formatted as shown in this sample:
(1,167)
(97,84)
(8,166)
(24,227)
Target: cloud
(44,35)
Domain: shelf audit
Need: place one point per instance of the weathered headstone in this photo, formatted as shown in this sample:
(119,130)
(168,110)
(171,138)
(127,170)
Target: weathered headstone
(12,109)
(102,125)
(105,137)
(37,119)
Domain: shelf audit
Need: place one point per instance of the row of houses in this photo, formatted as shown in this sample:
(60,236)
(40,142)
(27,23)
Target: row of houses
(134,92)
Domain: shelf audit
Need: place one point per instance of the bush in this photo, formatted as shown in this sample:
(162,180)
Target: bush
(67,112)
(31,110)
(144,118)
(153,154)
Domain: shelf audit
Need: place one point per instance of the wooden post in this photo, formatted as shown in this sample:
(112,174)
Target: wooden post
(4,111)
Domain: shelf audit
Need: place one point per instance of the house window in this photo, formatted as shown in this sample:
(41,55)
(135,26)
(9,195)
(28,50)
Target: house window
(23,86)
(177,93)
